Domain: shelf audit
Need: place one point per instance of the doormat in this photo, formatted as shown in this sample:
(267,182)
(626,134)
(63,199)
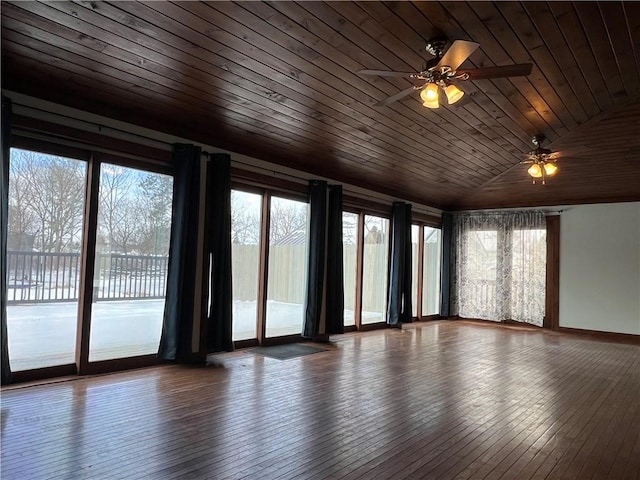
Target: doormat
(287,351)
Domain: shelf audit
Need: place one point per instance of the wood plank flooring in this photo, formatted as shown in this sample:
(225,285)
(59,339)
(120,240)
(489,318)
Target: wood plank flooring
(441,400)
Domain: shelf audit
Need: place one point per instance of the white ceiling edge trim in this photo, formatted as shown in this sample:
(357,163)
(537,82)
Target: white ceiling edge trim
(55,113)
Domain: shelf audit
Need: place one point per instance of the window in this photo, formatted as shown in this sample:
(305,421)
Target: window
(286,284)
(500,271)
(132,253)
(46,205)
(246,223)
(47,228)
(350,257)
(528,275)
(480,270)
(415,261)
(375,269)
(432,254)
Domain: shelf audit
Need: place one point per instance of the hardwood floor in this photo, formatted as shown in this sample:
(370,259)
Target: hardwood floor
(442,400)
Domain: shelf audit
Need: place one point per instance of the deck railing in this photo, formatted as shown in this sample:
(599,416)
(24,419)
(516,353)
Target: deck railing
(35,277)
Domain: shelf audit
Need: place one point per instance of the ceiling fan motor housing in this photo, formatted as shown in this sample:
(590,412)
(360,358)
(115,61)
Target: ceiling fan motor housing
(436,46)
(537,142)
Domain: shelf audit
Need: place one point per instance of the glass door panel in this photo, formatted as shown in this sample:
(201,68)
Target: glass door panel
(478,299)
(350,257)
(375,260)
(46,210)
(431,271)
(246,210)
(132,248)
(528,275)
(415,233)
(286,287)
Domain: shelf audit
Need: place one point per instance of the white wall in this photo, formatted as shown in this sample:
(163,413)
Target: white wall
(600,267)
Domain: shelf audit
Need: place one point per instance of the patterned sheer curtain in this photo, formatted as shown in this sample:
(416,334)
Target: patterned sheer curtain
(499,266)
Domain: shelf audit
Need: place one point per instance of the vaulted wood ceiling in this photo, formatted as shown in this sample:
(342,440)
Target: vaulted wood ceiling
(278,81)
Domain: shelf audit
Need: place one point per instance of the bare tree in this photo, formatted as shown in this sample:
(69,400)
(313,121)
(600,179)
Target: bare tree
(350,228)
(287,218)
(245,222)
(375,230)
(117,227)
(155,199)
(47,197)
(127,229)
(135,210)
(22,220)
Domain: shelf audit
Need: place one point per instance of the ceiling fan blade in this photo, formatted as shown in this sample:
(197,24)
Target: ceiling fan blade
(575,151)
(516,70)
(397,96)
(385,73)
(457,53)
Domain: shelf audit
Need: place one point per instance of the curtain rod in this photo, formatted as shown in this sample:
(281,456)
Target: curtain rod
(75,121)
(512,210)
(508,210)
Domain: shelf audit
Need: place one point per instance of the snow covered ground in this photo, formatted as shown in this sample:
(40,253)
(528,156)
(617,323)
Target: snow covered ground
(44,334)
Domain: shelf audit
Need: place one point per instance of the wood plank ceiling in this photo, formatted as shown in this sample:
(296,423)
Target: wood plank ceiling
(278,81)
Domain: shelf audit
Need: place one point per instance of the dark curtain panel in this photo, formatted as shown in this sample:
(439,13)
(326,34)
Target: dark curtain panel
(177,327)
(314,308)
(399,305)
(445,265)
(324,304)
(218,329)
(335,263)
(4,216)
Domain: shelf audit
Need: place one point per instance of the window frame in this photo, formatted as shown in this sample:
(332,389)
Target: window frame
(420,317)
(93,159)
(361,213)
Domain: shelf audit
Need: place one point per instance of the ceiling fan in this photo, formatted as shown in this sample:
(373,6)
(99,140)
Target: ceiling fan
(443,70)
(542,160)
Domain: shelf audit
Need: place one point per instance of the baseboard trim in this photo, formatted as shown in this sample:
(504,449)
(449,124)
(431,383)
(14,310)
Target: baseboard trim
(629,338)
(496,323)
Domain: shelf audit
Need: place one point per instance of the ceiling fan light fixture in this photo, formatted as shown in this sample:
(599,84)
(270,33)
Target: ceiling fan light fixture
(542,160)
(443,68)
(429,93)
(453,94)
(550,168)
(535,171)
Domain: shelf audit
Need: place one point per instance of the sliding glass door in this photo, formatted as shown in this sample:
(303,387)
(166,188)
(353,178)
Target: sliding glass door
(286,284)
(132,252)
(528,275)
(271,304)
(431,258)
(502,267)
(350,259)
(46,205)
(415,266)
(246,224)
(130,218)
(375,269)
